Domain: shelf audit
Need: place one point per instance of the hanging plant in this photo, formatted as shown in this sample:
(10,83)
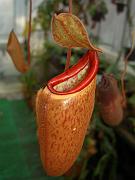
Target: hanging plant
(110,100)
(64,107)
(15,51)
(120,5)
(98,10)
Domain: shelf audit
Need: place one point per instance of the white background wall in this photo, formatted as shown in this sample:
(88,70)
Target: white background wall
(112,28)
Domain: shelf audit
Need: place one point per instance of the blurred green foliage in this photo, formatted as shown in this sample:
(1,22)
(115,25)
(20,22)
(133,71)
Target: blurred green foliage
(98,10)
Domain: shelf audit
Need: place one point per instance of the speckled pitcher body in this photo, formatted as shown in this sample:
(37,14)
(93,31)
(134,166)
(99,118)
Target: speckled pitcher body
(63,115)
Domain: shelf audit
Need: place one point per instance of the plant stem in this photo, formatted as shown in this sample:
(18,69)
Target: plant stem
(126,59)
(70,6)
(121,43)
(29,32)
(69,50)
(125,69)
(68,59)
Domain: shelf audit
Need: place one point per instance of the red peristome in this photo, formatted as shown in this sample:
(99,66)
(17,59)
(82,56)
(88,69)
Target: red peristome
(90,57)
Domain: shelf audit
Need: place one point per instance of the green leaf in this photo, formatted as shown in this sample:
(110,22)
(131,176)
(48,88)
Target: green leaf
(132,100)
(102,163)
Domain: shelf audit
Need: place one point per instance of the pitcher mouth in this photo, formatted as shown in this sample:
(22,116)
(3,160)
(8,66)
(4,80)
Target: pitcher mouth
(77,77)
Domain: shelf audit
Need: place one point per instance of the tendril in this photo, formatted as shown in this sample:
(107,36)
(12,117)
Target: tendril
(125,69)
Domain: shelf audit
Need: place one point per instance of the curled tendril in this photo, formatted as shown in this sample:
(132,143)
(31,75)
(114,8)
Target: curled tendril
(125,69)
